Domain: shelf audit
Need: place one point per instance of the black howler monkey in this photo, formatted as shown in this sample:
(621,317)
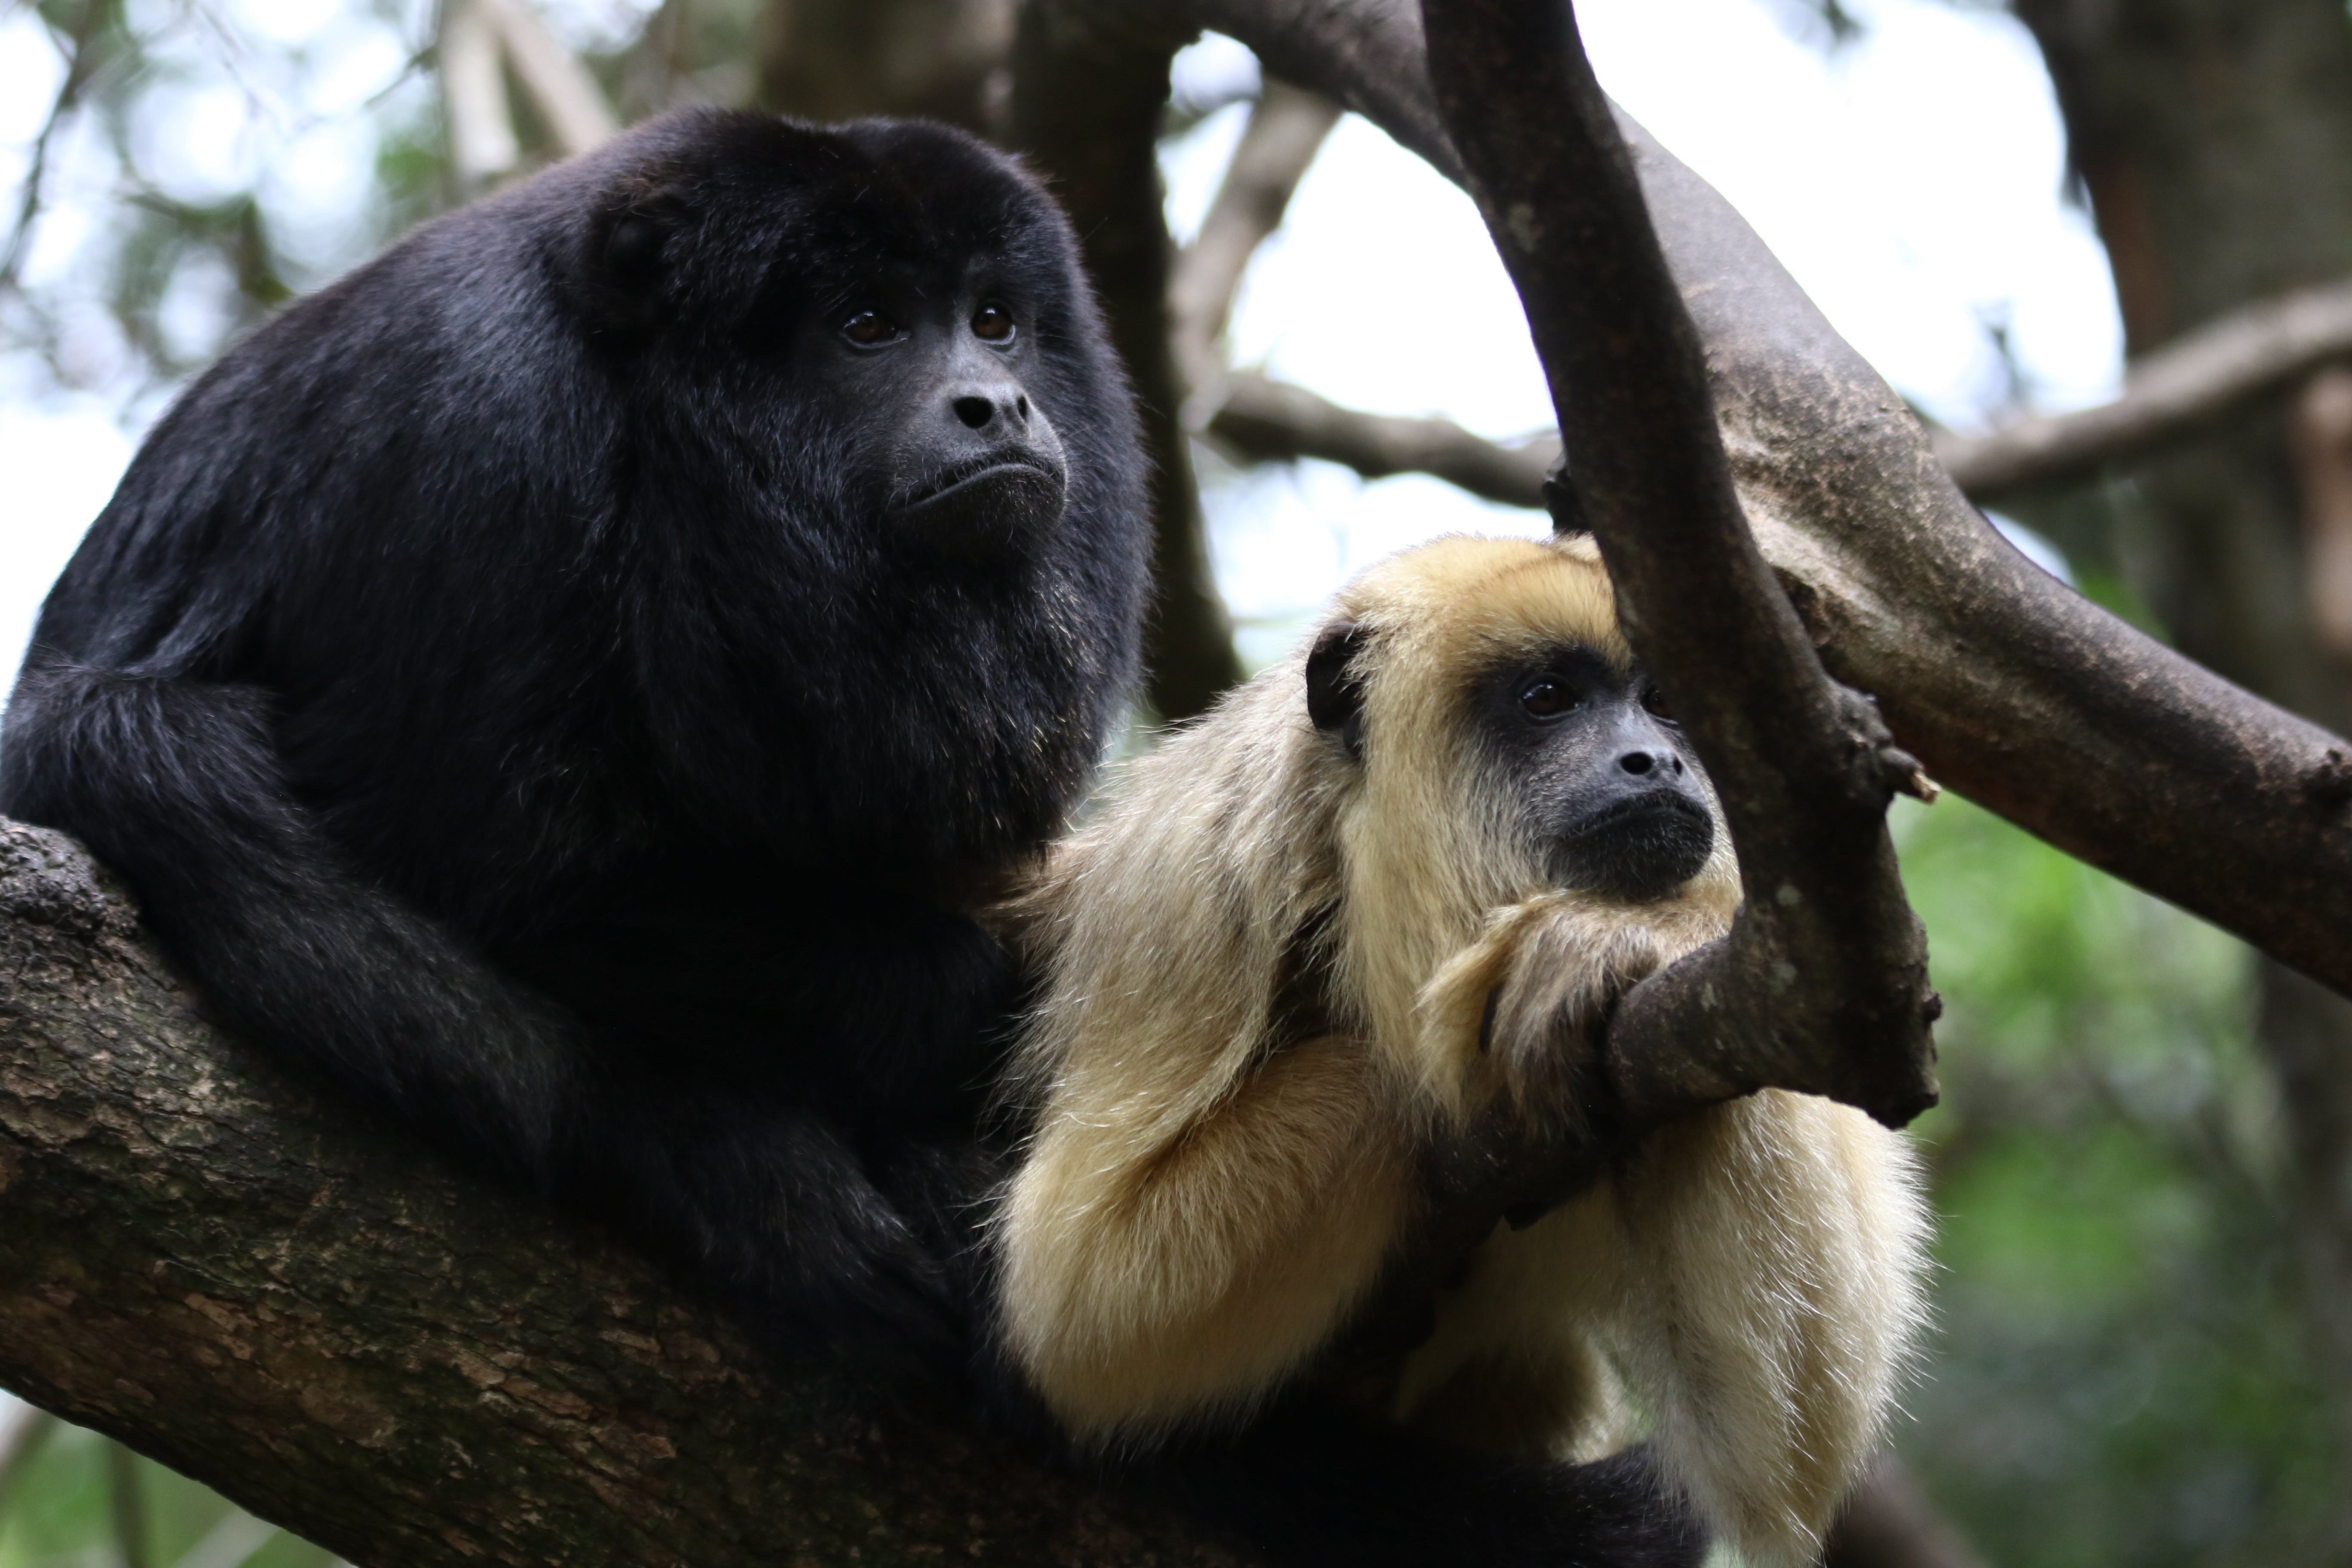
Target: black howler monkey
(567,681)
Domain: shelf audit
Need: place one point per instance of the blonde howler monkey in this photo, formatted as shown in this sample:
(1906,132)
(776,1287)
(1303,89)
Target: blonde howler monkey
(1374,911)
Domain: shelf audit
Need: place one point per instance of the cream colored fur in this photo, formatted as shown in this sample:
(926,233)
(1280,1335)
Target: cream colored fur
(1210,1189)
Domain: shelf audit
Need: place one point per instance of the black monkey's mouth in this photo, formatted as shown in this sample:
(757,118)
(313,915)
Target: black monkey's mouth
(990,507)
(1641,848)
(981,474)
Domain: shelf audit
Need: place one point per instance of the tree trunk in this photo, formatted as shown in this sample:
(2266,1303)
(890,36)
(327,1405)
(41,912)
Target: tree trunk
(237,1277)
(1087,108)
(2214,138)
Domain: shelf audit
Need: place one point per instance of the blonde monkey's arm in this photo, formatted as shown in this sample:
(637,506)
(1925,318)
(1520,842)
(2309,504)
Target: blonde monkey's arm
(1158,1268)
(1767,1252)
(1773,1249)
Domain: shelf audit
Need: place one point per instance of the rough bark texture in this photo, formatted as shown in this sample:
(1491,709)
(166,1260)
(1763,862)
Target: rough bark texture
(1087,107)
(2007,684)
(234,1275)
(2215,138)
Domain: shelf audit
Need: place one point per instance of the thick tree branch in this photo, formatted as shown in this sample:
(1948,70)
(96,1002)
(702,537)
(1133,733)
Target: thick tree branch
(237,1277)
(560,89)
(482,144)
(2007,684)
(1822,985)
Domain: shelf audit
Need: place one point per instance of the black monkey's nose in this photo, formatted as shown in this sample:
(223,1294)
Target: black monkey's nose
(1640,762)
(979,407)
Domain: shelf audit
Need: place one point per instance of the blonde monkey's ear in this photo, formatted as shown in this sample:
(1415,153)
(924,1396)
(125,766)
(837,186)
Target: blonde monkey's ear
(1335,686)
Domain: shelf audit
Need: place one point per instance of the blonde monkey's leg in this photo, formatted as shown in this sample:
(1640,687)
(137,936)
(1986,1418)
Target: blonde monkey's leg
(1774,1248)
(1515,1365)
(1155,1274)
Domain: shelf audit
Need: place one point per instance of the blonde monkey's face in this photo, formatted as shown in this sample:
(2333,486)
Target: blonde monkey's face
(1608,784)
(1570,727)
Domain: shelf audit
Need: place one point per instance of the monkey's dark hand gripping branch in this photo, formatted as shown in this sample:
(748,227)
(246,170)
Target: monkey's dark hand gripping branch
(1822,985)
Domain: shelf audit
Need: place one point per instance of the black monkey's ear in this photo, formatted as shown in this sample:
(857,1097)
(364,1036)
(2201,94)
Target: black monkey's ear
(1335,690)
(628,262)
(1560,499)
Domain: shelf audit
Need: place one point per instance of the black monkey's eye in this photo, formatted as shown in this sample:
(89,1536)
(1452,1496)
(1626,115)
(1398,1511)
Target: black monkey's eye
(870,327)
(993,322)
(1654,702)
(1545,698)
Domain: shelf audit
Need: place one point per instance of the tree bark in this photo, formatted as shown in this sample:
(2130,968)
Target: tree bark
(239,1278)
(2215,140)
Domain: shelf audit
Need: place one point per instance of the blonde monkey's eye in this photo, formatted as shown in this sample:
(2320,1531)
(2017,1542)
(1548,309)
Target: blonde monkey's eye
(870,327)
(1545,698)
(993,324)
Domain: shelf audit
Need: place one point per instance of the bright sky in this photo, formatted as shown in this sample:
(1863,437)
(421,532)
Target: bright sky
(1910,181)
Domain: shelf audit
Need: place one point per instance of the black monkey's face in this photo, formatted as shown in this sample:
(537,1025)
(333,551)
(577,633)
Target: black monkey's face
(876,331)
(1610,787)
(966,459)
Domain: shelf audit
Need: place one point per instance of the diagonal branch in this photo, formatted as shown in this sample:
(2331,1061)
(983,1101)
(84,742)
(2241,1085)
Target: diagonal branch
(1286,130)
(560,89)
(1822,985)
(2007,684)
(241,1279)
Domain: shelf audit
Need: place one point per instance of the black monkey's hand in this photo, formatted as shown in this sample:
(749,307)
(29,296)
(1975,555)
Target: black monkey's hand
(765,1205)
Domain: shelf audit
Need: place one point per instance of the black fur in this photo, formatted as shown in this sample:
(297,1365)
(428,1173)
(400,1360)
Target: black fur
(1312,1484)
(507,685)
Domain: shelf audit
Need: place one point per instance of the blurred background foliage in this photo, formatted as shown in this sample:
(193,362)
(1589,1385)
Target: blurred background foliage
(2122,1372)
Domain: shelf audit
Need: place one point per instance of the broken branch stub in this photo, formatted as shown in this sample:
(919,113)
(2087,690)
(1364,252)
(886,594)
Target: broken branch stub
(1821,984)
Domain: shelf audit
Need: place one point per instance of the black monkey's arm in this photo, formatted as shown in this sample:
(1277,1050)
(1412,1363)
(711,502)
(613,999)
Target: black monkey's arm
(173,783)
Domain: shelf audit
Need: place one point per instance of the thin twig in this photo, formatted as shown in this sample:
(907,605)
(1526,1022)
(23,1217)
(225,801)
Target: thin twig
(1261,419)
(126,1506)
(23,1429)
(80,65)
(2190,382)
